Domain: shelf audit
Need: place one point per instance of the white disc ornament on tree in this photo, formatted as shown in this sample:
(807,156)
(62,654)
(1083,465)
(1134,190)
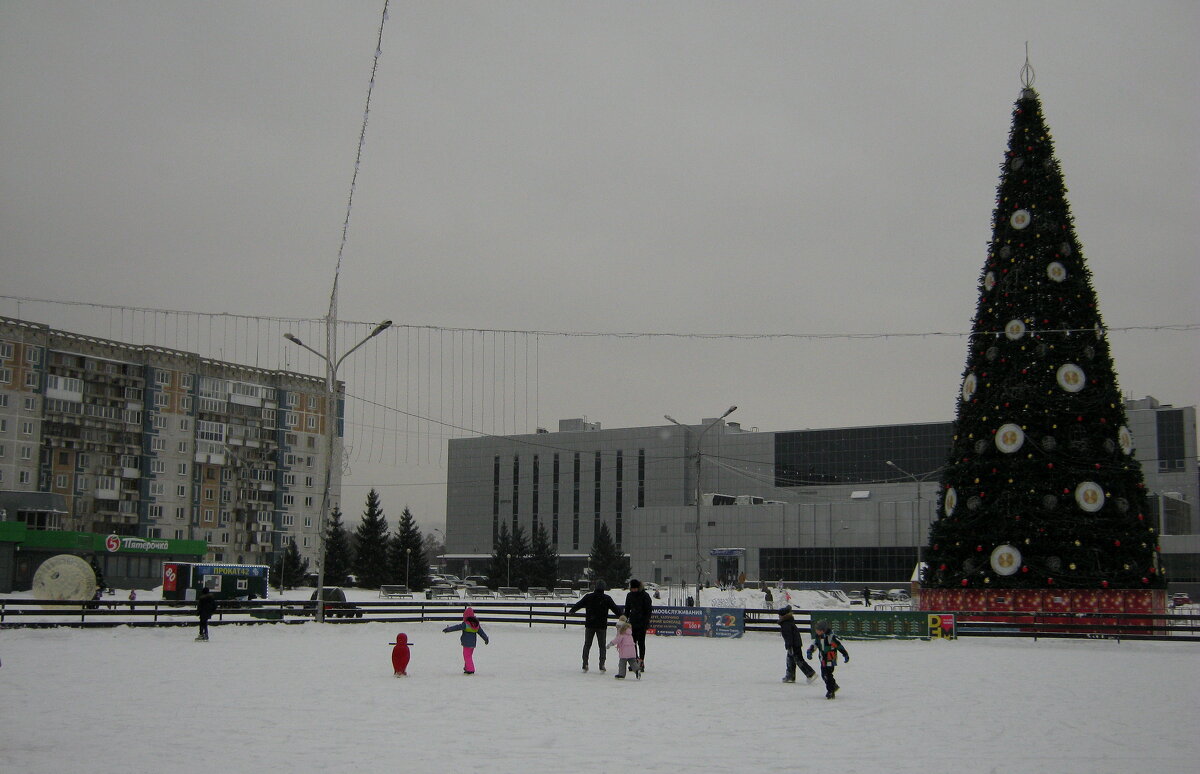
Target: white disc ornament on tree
(951,501)
(1020,219)
(1125,440)
(1006,560)
(1089,496)
(65,577)
(1009,438)
(1014,330)
(1071,377)
(968,388)
(1056,271)
(989,281)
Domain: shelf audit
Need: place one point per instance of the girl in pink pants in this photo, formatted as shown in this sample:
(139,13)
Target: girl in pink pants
(470,628)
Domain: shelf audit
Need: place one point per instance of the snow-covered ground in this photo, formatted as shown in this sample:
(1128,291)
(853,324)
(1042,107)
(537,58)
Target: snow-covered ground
(308,697)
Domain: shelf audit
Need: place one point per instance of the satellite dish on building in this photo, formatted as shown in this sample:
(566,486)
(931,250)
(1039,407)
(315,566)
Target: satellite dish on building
(65,577)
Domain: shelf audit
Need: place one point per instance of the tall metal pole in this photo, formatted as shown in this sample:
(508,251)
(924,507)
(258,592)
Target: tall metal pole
(699,438)
(917,515)
(331,366)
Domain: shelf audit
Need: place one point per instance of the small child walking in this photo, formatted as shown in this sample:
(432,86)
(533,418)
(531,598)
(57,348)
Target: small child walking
(626,649)
(470,627)
(829,646)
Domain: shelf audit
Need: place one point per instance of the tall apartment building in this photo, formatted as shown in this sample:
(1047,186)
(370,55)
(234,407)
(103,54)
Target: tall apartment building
(158,443)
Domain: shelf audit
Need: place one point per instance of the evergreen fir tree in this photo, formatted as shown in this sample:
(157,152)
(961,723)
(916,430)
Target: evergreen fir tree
(608,564)
(542,566)
(289,568)
(370,545)
(1041,489)
(100,584)
(519,548)
(406,554)
(499,564)
(339,559)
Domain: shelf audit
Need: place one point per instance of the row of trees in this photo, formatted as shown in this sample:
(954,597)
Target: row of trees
(523,562)
(371,553)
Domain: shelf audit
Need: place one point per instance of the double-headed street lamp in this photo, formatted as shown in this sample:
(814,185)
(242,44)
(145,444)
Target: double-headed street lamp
(331,366)
(699,438)
(918,480)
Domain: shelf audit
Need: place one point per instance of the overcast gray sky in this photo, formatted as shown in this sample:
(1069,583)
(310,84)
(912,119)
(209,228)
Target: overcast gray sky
(684,167)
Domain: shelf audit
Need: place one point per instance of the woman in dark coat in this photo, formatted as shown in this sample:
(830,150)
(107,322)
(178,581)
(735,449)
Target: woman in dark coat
(637,610)
(794,645)
(596,606)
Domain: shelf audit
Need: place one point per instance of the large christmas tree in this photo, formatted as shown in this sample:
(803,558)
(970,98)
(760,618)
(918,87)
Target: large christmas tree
(1041,489)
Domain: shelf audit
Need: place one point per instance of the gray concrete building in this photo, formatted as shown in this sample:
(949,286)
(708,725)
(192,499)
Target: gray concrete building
(842,506)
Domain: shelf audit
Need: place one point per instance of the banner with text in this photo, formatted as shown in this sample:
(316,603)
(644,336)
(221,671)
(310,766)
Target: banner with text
(697,622)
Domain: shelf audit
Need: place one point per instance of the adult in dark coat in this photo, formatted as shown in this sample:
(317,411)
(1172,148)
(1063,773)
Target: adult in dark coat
(206,606)
(794,645)
(637,610)
(596,606)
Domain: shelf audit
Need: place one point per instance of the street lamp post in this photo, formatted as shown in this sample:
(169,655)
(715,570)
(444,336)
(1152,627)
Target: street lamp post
(407,560)
(508,569)
(918,480)
(331,366)
(699,438)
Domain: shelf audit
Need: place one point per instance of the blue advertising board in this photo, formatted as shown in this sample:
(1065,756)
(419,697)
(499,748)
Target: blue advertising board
(697,622)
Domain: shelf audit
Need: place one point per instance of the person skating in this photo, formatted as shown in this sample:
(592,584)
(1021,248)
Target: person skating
(470,628)
(829,646)
(596,605)
(206,606)
(638,607)
(626,649)
(794,644)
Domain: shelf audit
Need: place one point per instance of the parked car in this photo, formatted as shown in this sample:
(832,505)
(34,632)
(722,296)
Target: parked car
(453,580)
(1180,598)
(898,595)
(476,580)
(336,605)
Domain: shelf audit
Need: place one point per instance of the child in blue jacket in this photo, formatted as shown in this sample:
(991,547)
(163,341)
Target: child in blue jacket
(470,627)
(825,641)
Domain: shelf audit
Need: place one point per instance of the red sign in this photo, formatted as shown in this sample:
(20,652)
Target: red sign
(170,577)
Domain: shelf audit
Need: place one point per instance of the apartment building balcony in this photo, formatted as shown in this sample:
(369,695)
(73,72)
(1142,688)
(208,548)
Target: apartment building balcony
(128,473)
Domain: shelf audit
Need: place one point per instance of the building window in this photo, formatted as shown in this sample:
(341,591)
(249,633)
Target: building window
(308,522)
(156,489)
(5,376)
(311,422)
(23,477)
(186,381)
(26,453)
(31,380)
(158,443)
(30,404)
(495,497)
(6,350)
(291,400)
(575,505)
(161,377)
(155,511)
(308,502)
(596,495)
(60,481)
(289,500)
(158,467)
(158,422)
(182,469)
(161,399)
(181,490)
(26,428)
(554,503)
(312,402)
(185,424)
(516,491)
(641,491)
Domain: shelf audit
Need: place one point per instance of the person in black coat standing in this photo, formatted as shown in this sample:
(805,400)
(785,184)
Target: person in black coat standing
(206,605)
(596,606)
(637,611)
(794,645)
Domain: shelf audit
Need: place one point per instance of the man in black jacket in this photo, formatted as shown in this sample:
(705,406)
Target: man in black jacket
(637,611)
(206,605)
(794,645)
(596,605)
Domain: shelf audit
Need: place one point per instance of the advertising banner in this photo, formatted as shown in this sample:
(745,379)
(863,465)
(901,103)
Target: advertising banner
(697,622)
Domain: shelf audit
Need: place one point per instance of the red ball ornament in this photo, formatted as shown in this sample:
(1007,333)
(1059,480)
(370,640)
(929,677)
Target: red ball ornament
(964,581)
(1141,517)
(942,567)
(1104,584)
(1145,580)
(1049,581)
(1078,419)
(978,549)
(1050,465)
(1024,568)
(1117,543)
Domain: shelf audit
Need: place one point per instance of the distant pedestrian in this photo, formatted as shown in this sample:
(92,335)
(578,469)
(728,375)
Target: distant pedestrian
(206,606)
(638,607)
(470,628)
(596,605)
(827,643)
(794,645)
(768,600)
(866,597)
(626,649)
